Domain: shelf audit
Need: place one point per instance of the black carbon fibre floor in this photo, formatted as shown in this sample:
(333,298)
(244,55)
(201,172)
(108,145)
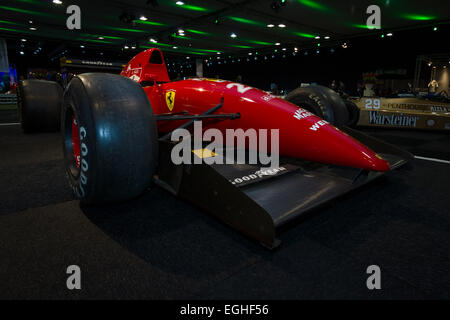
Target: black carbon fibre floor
(159,247)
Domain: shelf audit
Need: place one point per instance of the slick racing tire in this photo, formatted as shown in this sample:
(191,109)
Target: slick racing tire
(322,102)
(353,113)
(39,103)
(109,138)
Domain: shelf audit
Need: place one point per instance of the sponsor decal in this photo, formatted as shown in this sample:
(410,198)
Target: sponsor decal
(96,63)
(301,114)
(170,99)
(440,109)
(268,97)
(392,119)
(84,164)
(262,173)
(317,125)
(419,107)
(204,153)
(134,73)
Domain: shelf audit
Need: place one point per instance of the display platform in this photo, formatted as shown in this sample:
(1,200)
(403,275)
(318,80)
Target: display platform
(160,247)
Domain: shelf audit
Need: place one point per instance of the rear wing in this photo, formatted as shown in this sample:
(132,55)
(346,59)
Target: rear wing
(148,65)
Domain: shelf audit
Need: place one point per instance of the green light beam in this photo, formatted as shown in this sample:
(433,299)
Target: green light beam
(304,35)
(314,5)
(417,17)
(199,32)
(30,12)
(247,21)
(151,23)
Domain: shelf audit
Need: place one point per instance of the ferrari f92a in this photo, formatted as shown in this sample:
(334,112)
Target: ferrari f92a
(116,132)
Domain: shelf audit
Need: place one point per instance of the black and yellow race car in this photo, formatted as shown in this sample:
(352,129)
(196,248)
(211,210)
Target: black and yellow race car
(406,110)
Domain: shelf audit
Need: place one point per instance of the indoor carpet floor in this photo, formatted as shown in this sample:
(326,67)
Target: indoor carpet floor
(160,247)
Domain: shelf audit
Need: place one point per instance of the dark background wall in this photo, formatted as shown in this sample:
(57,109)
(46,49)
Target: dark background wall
(362,55)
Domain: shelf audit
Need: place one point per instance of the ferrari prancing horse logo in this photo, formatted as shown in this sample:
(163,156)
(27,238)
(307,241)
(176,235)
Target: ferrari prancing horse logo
(170,99)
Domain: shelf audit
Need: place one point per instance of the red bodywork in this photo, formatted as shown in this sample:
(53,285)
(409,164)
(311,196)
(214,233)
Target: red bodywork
(302,134)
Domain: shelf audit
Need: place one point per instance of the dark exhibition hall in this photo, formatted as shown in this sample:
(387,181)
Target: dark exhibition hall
(231,154)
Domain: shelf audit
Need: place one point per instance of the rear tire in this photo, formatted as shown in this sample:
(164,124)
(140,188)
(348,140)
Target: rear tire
(109,138)
(322,102)
(39,103)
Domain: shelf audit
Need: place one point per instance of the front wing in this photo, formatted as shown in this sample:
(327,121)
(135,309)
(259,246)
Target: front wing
(258,202)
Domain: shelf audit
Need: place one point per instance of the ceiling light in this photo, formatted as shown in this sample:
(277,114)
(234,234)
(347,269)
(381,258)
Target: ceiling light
(23,40)
(133,47)
(180,3)
(218,52)
(389,34)
(175,47)
(81,46)
(344,45)
(233,35)
(180,31)
(317,37)
(284,49)
(30,21)
(126,47)
(250,53)
(327,37)
(435,29)
(143,18)
(57,1)
(33,28)
(22,53)
(101,38)
(277,44)
(153,40)
(270,25)
(429,64)
(281,25)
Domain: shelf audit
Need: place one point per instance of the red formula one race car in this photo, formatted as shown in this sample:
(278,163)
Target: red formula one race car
(117,132)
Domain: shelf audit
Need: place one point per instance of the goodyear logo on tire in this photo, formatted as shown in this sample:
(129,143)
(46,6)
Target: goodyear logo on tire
(170,99)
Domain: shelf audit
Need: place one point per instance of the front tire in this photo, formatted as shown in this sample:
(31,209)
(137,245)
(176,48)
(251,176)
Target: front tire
(109,138)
